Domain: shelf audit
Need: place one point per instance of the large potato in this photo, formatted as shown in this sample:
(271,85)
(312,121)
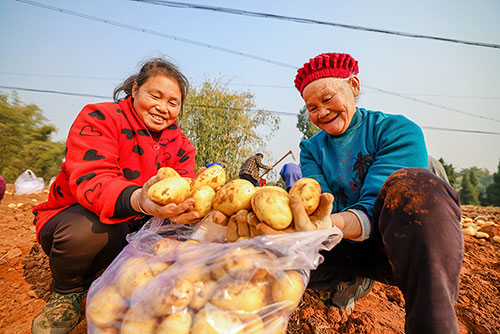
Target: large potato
(134,273)
(136,322)
(233,196)
(169,190)
(216,322)
(203,290)
(240,296)
(214,176)
(175,300)
(271,207)
(178,323)
(203,197)
(288,289)
(107,308)
(309,192)
(167,172)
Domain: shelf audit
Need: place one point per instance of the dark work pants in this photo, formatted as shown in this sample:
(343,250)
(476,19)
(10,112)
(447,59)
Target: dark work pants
(249,177)
(79,246)
(417,246)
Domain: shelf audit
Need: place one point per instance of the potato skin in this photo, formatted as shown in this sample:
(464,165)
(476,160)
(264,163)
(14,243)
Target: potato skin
(169,190)
(165,172)
(214,176)
(234,196)
(203,197)
(288,287)
(309,192)
(107,308)
(271,207)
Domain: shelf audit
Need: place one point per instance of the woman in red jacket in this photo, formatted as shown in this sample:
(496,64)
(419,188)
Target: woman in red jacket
(113,152)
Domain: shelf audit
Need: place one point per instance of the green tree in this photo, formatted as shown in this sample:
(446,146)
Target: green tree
(222,126)
(25,141)
(305,125)
(493,190)
(450,172)
(469,193)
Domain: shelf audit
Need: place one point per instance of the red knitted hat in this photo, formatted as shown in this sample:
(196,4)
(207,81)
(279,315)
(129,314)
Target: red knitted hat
(338,65)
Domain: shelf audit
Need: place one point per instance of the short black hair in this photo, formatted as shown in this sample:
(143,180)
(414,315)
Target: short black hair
(260,154)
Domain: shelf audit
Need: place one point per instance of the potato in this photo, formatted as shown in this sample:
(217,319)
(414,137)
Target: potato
(175,300)
(277,323)
(167,172)
(216,322)
(214,177)
(288,288)
(169,190)
(240,296)
(158,267)
(134,273)
(233,196)
(271,207)
(238,263)
(106,308)
(135,322)
(203,290)
(309,192)
(203,197)
(178,323)
(253,324)
(165,245)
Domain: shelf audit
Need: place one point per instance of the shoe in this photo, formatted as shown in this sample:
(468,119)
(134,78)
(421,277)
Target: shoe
(60,315)
(346,294)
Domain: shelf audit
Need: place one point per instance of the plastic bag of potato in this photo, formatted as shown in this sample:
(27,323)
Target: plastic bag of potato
(165,281)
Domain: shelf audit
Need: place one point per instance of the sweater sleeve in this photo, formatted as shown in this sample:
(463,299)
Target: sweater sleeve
(309,164)
(95,177)
(399,143)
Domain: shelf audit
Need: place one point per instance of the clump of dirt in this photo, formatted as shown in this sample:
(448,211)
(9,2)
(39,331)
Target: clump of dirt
(25,282)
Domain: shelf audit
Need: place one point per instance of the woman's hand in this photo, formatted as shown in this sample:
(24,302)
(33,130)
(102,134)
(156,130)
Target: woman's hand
(177,213)
(319,220)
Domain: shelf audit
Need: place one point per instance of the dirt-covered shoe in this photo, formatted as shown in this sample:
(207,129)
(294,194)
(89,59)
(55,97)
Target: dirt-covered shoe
(60,315)
(347,294)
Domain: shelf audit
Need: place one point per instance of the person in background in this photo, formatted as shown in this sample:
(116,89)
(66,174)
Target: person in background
(290,173)
(3,186)
(400,222)
(113,153)
(250,169)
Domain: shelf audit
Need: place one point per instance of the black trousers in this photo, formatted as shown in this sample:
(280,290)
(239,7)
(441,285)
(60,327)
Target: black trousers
(79,246)
(417,246)
(250,178)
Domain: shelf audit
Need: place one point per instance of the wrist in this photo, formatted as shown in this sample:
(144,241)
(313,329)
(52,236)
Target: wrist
(135,201)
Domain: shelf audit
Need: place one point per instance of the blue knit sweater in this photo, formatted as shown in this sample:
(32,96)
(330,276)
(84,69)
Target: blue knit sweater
(354,166)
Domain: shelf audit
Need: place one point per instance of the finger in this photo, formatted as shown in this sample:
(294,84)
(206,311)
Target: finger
(188,218)
(297,207)
(201,169)
(185,206)
(253,231)
(325,205)
(252,219)
(264,229)
(232,230)
(241,221)
(220,218)
(149,183)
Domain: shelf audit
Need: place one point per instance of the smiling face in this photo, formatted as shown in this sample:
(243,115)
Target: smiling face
(331,103)
(157,102)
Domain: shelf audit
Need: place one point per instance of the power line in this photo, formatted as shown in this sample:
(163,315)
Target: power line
(156,33)
(250,85)
(311,21)
(127,26)
(225,107)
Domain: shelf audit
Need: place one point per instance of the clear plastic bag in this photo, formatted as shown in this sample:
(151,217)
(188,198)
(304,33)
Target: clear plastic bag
(182,279)
(28,182)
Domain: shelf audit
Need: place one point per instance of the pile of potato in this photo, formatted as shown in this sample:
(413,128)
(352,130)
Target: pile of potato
(170,291)
(208,188)
(473,226)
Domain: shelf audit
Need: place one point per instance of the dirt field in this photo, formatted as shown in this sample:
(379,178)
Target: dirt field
(25,282)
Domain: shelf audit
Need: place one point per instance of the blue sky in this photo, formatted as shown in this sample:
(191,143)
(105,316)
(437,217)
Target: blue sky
(45,49)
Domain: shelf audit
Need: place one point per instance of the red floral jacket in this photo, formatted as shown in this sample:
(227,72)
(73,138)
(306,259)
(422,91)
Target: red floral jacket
(109,149)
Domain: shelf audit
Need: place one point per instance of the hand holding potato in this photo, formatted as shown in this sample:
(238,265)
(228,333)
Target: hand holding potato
(319,220)
(177,213)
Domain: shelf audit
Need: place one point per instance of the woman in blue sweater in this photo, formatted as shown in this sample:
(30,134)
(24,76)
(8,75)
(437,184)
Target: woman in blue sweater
(401,223)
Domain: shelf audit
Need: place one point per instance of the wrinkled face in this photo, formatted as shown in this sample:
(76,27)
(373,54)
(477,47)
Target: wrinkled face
(331,103)
(157,102)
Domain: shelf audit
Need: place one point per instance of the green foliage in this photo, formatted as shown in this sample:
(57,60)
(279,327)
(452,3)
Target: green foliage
(25,141)
(493,190)
(469,193)
(305,125)
(222,128)
(450,172)
(481,179)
